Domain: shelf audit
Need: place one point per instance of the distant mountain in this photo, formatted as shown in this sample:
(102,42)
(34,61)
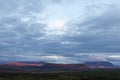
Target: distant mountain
(32,62)
(99,64)
(23,64)
(3,62)
(41,66)
(51,66)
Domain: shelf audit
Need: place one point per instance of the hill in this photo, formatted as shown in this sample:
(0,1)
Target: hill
(99,64)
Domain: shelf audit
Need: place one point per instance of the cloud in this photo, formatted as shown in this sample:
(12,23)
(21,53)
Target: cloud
(17,35)
(100,33)
(114,58)
(20,7)
(92,30)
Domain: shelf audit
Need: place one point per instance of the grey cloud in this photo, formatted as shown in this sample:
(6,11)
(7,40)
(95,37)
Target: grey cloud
(21,32)
(14,34)
(15,7)
(100,33)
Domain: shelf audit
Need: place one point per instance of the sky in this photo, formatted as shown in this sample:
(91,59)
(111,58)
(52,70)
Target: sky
(60,31)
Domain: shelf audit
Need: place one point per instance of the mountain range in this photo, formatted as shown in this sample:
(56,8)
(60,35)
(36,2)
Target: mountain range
(41,66)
